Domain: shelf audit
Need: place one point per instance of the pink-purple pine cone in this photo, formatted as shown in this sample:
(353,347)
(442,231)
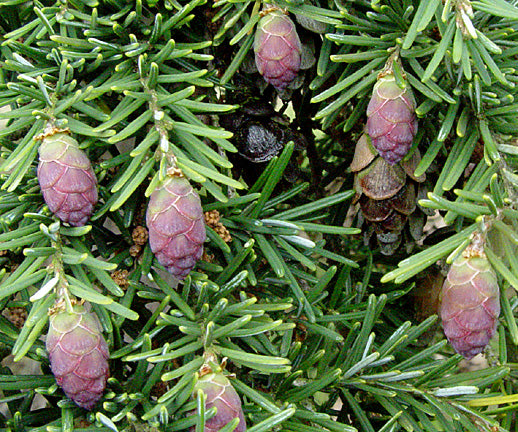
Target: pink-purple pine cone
(78,355)
(66,178)
(470,304)
(223,396)
(176,226)
(391,123)
(277,49)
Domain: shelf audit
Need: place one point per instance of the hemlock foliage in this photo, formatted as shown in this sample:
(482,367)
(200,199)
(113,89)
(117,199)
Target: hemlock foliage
(321,331)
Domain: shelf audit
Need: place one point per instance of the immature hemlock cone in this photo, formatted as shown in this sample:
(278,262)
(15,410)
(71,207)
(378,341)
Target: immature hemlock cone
(223,396)
(387,195)
(67,179)
(78,355)
(391,122)
(470,304)
(277,49)
(176,226)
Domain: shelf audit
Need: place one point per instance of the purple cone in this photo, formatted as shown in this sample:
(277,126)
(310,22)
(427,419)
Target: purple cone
(176,226)
(470,304)
(277,49)
(391,122)
(78,355)
(66,179)
(223,396)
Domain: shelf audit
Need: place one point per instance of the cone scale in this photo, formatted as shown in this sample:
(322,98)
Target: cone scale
(66,178)
(277,49)
(176,226)
(470,304)
(78,355)
(391,122)
(223,396)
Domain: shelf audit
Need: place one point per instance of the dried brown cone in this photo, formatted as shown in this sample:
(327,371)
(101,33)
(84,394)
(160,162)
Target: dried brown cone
(387,194)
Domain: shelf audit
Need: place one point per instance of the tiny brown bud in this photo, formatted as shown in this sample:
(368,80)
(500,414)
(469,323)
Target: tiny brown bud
(140,235)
